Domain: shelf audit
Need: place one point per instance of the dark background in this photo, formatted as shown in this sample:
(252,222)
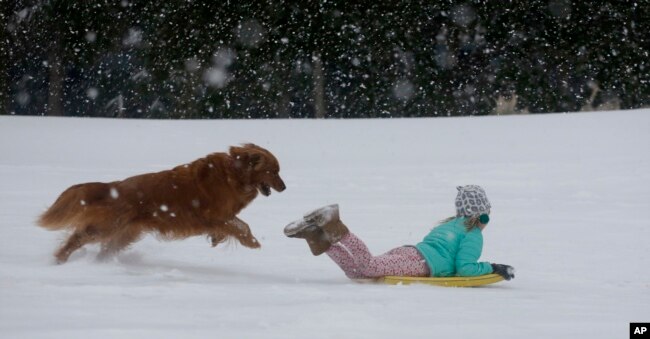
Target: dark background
(268,59)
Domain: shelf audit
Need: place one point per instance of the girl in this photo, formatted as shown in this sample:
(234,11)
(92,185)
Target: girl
(450,249)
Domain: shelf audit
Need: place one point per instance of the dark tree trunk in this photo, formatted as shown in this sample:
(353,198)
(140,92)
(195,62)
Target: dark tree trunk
(319,87)
(56,78)
(4,61)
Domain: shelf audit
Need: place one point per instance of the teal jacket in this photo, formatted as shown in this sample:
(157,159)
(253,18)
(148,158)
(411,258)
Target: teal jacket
(450,250)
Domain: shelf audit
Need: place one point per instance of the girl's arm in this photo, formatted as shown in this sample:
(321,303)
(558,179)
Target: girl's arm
(467,264)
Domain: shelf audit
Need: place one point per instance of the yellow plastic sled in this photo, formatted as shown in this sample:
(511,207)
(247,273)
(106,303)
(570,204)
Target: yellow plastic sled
(444,281)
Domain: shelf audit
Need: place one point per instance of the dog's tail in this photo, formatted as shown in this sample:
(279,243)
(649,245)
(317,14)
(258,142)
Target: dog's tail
(71,204)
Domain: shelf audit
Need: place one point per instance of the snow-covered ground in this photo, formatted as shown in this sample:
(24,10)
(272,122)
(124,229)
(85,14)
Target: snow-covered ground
(570,196)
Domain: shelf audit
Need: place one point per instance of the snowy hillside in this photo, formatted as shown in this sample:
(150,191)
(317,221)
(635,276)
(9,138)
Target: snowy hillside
(570,195)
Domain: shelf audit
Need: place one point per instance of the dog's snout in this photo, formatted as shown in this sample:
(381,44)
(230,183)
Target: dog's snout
(280,186)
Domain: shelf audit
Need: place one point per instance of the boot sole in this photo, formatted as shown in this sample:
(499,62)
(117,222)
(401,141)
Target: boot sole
(296,227)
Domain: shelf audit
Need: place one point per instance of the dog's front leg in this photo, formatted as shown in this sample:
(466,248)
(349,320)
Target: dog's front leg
(240,230)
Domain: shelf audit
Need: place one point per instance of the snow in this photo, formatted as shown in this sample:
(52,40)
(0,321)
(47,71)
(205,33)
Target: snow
(114,193)
(569,193)
(92,93)
(133,37)
(216,77)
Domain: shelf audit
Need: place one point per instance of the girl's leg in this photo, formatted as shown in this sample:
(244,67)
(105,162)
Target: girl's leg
(355,259)
(357,248)
(402,261)
(340,255)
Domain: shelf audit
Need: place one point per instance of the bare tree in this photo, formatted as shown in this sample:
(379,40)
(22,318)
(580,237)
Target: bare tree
(56,77)
(319,87)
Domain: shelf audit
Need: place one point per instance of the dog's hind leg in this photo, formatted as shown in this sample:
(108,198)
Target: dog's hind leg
(118,242)
(217,238)
(78,239)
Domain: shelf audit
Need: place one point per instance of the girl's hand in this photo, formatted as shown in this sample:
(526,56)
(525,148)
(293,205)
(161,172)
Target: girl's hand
(507,272)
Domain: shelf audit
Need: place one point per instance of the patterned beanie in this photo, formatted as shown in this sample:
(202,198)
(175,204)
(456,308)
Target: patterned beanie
(471,201)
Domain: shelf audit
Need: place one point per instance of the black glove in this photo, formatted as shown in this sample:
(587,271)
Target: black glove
(507,272)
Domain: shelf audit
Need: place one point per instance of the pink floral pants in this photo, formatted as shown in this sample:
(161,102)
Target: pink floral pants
(354,258)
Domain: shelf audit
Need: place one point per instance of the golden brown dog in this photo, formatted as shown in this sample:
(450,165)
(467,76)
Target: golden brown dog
(202,197)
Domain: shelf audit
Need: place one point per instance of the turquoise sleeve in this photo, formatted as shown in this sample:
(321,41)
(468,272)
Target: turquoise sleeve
(467,264)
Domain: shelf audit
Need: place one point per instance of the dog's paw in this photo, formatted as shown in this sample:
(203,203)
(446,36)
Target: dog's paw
(252,243)
(257,243)
(217,239)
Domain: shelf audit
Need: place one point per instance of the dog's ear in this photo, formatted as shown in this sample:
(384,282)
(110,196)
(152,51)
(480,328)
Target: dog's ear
(246,157)
(239,154)
(255,160)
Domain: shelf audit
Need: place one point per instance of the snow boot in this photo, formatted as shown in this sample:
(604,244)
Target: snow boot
(321,228)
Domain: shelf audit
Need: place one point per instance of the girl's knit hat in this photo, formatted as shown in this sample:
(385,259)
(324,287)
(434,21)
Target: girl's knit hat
(471,201)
